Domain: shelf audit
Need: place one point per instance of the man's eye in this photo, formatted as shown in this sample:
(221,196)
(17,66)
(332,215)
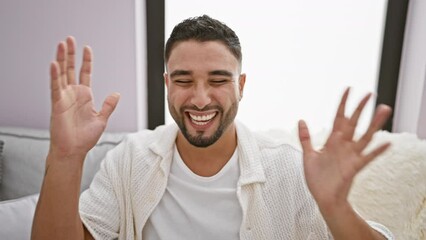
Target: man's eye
(219,81)
(182,82)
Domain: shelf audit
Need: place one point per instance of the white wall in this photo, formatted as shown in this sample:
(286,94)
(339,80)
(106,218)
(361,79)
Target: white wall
(422,118)
(30,31)
(299,56)
(410,109)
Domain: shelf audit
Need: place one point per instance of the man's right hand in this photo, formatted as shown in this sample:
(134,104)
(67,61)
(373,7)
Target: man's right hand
(75,124)
(74,129)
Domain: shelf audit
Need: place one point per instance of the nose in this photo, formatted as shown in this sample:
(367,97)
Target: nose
(201,96)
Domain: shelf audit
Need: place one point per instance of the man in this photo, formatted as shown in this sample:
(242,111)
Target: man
(207,177)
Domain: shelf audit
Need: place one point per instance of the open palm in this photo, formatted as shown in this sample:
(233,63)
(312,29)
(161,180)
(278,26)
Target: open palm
(329,172)
(75,124)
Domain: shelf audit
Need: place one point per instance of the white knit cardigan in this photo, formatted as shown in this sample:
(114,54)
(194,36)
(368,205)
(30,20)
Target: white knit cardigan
(274,198)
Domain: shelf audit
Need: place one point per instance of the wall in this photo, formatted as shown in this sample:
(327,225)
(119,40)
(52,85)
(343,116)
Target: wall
(410,110)
(421,124)
(299,56)
(30,31)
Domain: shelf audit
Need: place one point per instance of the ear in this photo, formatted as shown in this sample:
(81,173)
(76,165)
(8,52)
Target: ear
(241,83)
(166,80)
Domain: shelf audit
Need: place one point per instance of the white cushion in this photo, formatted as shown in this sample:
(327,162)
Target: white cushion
(16,217)
(390,190)
(24,157)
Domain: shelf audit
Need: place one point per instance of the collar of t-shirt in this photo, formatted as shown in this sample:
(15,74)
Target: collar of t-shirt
(195,207)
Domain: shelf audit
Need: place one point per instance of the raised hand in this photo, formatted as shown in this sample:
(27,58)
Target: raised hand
(329,172)
(75,124)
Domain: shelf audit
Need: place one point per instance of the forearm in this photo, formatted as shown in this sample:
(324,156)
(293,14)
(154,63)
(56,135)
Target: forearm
(345,223)
(57,215)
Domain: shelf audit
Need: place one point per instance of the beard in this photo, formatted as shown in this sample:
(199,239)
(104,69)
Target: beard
(199,140)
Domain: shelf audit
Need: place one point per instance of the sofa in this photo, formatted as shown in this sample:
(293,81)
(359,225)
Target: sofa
(391,190)
(23,153)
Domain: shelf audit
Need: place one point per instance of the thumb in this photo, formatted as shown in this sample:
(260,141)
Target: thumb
(304,137)
(109,105)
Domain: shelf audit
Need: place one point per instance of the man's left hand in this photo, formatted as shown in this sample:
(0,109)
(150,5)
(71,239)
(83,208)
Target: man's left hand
(330,172)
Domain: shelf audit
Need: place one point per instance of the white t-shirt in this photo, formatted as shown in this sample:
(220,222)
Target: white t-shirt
(195,207)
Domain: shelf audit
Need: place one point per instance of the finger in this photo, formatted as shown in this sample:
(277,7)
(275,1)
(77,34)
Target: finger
(61,59)
(304,137)
(70,60)
(380,117)
(86,67)
(357,113)
(340,114)
(353,121)
(375,153)
(109,105)
(335,140)
(55,85)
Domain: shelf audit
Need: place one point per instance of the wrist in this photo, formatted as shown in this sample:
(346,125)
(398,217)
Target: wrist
(56,156)
(345,223)
(61,153)
(335,209)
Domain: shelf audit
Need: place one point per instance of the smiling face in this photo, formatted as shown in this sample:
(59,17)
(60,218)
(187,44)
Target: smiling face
(204,88)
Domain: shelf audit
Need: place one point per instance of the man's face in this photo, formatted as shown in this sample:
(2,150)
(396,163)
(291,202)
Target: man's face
(204,88)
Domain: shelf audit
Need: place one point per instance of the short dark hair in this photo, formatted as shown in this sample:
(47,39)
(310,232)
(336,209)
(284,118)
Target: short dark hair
(204,28)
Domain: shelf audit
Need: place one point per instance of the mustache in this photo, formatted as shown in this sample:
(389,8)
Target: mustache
(206,108)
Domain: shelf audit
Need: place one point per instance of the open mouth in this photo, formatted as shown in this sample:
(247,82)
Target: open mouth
(201,119)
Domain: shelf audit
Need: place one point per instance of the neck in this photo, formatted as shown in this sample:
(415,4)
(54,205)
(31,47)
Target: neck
(210,160)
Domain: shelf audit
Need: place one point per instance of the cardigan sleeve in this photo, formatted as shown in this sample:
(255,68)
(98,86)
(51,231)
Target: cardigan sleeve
(99,208)
(384,231)
(381,229)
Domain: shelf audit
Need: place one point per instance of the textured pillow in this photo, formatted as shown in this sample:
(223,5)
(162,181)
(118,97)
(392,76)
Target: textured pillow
(390,190)
(16,217)
(24,160)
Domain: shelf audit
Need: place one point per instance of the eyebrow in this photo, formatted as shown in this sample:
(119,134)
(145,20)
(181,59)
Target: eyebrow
(211,73)
(221,73)
(180,73)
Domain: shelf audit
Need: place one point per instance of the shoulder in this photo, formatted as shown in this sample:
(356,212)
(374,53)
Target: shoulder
(277,147)
(142,146)
(161,137)
(282,162)
(273,148)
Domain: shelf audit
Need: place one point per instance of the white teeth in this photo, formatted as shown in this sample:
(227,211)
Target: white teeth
(199,123)
(202,120)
